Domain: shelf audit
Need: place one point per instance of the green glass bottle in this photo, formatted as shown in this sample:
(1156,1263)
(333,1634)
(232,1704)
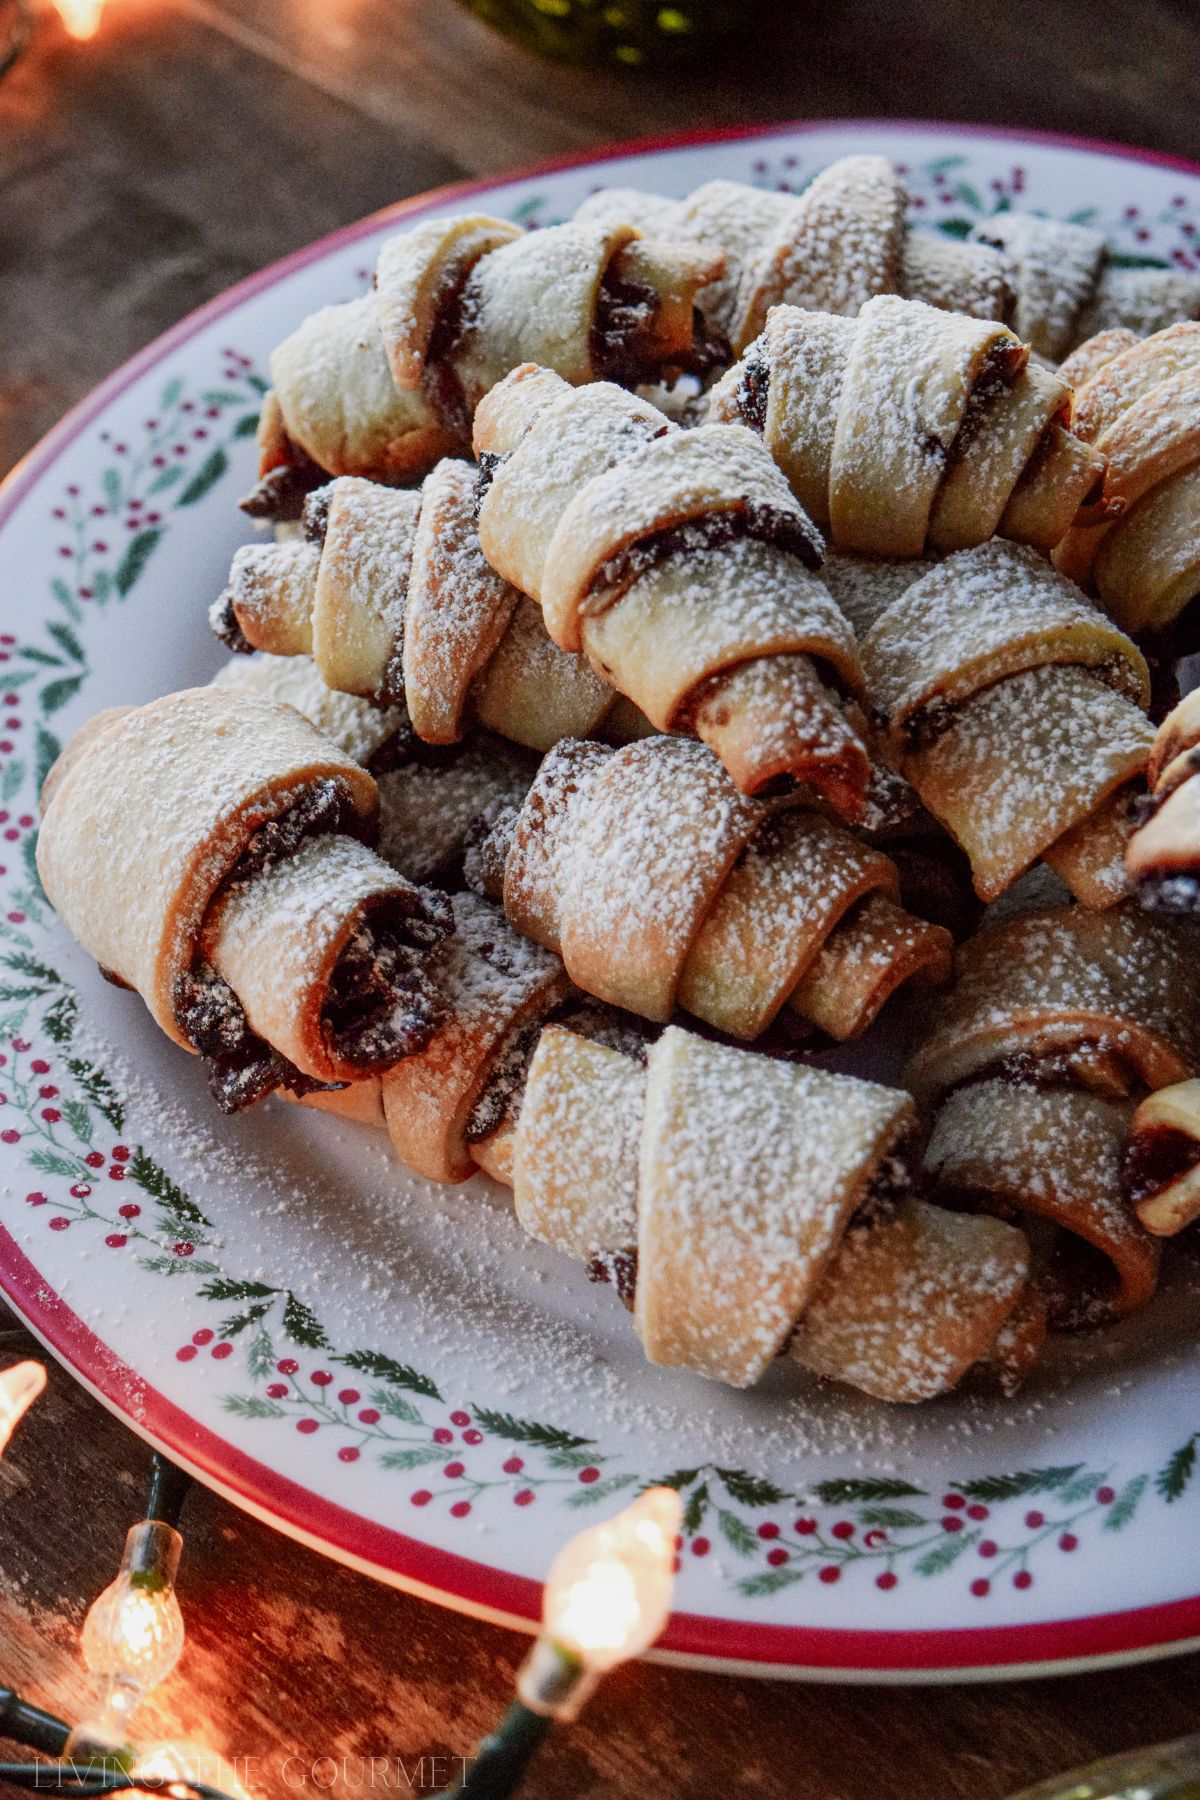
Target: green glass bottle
(627,34)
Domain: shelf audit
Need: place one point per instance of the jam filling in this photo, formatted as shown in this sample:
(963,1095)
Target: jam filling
(224,621)
(242,1068)
(1155,1158)
(591,1019)
(754,391)
(380,1004)
(489,462)
(924,726)
(769,525)
(999,369)
(278,496)
(324,806)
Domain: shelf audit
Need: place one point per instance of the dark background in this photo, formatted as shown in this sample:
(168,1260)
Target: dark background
(188,144)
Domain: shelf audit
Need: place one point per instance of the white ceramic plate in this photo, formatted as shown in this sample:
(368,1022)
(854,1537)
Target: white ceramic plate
(395,1373)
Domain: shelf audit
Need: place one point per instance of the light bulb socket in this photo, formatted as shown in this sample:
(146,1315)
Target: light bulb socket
(169,1486)
(92,1747)
(151,1556)
(555,1681)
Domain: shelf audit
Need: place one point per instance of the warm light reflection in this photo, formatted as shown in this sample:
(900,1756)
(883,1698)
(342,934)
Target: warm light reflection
(188,1763)
(19,1388)
(81,17)
(609,1591)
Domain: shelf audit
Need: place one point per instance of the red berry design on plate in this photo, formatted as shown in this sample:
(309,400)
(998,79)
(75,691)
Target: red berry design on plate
(589,1475)
(453,1470)
(460,1418)
(288,1366)
(1035,1520)
(523,1498)
(443,1436)
(348,1453)
(700,1546)
(422,1497)
(778,1557)
(369,1416)
(120,1153)
(768,1531)
(59,1224)
(277,1390)
(977,1512)
(221,1351)
(472,1437)
(129,1210)
(514,1465)
(989,1547)
(886,1581)
(349,1396)
(806,1527)
(829,1574)
(842,1530)
(94,1160)
(38,1066)
(953,1502)
(184,1249)
(116,1240)
(186,1352)
(981,1587)
(1022,1579)
(1068,1541)
(952,1523)
(307,1426)
(36,1199)
(321,1378)
(1105,1496)
(460,1509)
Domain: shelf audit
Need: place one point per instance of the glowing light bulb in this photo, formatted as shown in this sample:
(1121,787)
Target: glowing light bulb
(608,1594)
(186,1764)
(19,1388)
(81,17)
(133,1633)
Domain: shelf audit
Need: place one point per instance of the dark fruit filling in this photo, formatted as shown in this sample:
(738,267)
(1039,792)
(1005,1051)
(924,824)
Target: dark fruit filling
(323,806)
(381,1004)
(1155,1158)
(765,524)
(242,1068)
(619,1267)
(754,391)
(279,495)
(224,621)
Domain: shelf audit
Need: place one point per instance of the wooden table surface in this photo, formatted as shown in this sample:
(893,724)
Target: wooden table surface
(189,143)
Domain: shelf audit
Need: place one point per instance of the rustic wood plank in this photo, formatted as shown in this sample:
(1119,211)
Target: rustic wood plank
(193,141)
(148,170)
(1122,70)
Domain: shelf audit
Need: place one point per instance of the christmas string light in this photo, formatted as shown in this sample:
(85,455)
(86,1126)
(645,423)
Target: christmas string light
(19,1388)
(607,1598)
(84,1764)
(133,1634)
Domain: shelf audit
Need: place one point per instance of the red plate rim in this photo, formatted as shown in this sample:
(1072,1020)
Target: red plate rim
(808,1652)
